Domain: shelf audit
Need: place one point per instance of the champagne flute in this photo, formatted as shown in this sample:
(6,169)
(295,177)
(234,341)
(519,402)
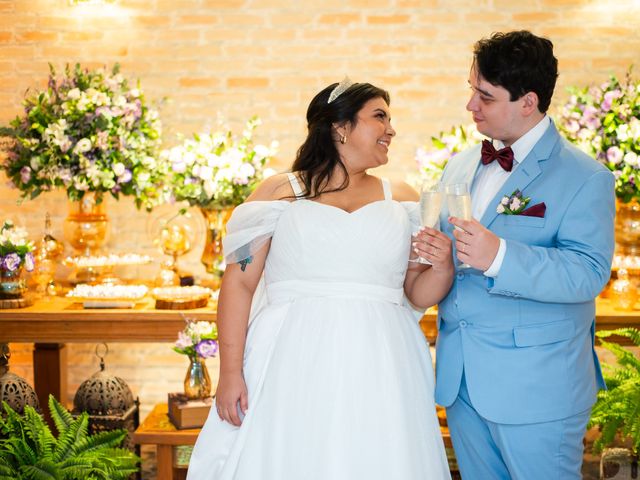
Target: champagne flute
(459,204)
(430,204)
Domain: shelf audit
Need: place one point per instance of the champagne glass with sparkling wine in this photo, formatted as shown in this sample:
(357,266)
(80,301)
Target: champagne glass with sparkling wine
(459,204)
(430,203)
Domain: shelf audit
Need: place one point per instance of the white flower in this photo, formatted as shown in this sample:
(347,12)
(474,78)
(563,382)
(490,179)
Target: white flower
(73,94)
(631,158)
(505,200)
(83,145)
(205,172)
(500,208)
(623,132)
(515,204)
(118,169)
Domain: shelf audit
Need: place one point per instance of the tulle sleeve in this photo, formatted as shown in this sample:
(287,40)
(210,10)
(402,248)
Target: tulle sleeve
(413,211)
(251,225)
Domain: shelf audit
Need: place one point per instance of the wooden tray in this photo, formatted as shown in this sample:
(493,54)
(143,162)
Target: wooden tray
(15,302)
(182,303)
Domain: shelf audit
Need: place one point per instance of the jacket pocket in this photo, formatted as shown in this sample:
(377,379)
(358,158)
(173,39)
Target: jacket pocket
(543,334)
(524,221)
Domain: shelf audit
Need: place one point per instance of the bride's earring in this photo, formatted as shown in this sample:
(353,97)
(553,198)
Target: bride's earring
(343,139)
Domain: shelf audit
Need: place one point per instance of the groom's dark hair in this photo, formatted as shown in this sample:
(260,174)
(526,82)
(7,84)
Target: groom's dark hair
(520,62)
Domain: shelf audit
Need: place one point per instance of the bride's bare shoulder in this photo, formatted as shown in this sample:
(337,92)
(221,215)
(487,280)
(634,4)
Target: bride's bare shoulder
(276,187)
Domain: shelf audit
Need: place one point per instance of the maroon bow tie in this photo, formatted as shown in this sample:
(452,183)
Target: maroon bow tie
(504,155)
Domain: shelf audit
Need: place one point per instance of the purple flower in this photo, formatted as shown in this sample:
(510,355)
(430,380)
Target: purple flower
(207,348)
(614,155)
(184,341)
(125,177)
(29,262)
(11,262)
(609,97)
(25,174)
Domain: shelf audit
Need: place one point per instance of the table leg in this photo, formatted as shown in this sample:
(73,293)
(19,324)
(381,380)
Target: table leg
(50,373)
(164,457)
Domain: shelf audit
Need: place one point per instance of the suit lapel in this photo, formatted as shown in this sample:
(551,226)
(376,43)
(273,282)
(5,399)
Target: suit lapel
(526,172)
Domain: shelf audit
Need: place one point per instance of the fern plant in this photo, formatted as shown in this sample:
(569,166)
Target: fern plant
(30,451)
(617,409)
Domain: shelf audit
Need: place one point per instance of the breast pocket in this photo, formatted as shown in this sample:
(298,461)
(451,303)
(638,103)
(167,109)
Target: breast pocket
(524,221)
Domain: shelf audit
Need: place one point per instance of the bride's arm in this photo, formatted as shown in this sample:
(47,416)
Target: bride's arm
(239,283)
(234,304)
(426,285)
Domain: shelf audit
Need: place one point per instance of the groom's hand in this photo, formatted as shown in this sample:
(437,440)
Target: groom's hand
(475,245)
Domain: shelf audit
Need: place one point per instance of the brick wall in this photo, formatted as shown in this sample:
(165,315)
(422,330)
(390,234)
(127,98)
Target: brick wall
(237,58)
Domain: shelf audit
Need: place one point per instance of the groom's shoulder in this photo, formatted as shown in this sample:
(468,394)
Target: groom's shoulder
(576,160)
(464,157)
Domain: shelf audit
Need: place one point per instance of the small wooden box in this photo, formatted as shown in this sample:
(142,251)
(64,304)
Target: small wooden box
(185,413)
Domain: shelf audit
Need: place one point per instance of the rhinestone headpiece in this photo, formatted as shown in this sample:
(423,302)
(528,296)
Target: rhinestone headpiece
(340,89)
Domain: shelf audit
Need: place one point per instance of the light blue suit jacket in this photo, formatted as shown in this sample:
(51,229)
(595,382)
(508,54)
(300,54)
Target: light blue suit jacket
(525,337)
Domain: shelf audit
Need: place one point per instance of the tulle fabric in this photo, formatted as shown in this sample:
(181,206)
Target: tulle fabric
(338,372)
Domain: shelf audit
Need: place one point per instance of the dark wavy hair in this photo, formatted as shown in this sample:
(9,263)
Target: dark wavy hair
(520,62)
(318,156)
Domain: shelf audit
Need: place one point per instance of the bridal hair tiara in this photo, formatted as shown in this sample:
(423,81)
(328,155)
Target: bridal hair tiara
(340,89)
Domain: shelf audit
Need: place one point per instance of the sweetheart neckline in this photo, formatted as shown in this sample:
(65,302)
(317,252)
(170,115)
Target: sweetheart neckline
(333,207)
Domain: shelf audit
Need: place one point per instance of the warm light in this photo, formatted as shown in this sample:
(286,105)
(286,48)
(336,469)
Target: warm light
(90,2)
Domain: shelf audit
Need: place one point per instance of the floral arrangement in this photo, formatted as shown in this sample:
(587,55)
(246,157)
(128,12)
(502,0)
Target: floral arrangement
(604,121)
(198,339)
(216,170)
(433,158)
(89,131)
(513,204)
(15,249)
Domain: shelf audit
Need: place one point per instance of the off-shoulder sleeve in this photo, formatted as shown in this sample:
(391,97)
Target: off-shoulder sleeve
(251,225)
(413,211)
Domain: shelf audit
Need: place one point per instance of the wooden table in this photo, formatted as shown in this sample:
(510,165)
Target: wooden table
(52,323)
(157,430)
(55,321)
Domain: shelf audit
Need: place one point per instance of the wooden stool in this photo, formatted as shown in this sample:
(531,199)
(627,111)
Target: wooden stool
(157,430)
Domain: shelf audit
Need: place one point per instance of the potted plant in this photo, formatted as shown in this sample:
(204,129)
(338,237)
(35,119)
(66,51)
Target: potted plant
(617,409)
(28,448)
(16,253)
(198,341)
(604,121)
(215,172)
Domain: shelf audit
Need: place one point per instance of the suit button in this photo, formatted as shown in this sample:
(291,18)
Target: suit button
(460,276)
(462,324)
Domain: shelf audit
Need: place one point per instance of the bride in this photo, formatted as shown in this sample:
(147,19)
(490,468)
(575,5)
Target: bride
(324,371)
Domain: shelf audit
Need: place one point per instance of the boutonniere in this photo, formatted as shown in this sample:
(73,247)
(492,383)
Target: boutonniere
(513,204)
(516,203)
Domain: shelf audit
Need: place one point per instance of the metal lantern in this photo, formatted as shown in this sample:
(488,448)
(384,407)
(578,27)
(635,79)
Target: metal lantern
(109,402)
(14,389)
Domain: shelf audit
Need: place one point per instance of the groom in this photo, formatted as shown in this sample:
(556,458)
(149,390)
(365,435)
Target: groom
(516,367)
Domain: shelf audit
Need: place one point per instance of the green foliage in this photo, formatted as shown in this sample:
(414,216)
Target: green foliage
(30,451)
(617,409)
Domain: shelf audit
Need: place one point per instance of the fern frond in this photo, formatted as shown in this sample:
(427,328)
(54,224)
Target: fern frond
(60,415)
(100,440)
(44,469)
(38,432)
(76,432)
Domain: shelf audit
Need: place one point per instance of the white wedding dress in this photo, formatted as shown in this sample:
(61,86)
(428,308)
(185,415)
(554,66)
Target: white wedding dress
(339,374)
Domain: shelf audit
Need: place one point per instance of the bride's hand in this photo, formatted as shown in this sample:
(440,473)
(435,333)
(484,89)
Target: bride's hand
(435,246)
(231,392)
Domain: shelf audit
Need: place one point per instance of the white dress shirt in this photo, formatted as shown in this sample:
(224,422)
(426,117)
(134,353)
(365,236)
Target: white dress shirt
(490,178)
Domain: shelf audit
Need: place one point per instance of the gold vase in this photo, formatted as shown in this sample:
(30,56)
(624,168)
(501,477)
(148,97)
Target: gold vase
(12,283)
(628,228)
(197,383)
(212,258)
(86,228)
